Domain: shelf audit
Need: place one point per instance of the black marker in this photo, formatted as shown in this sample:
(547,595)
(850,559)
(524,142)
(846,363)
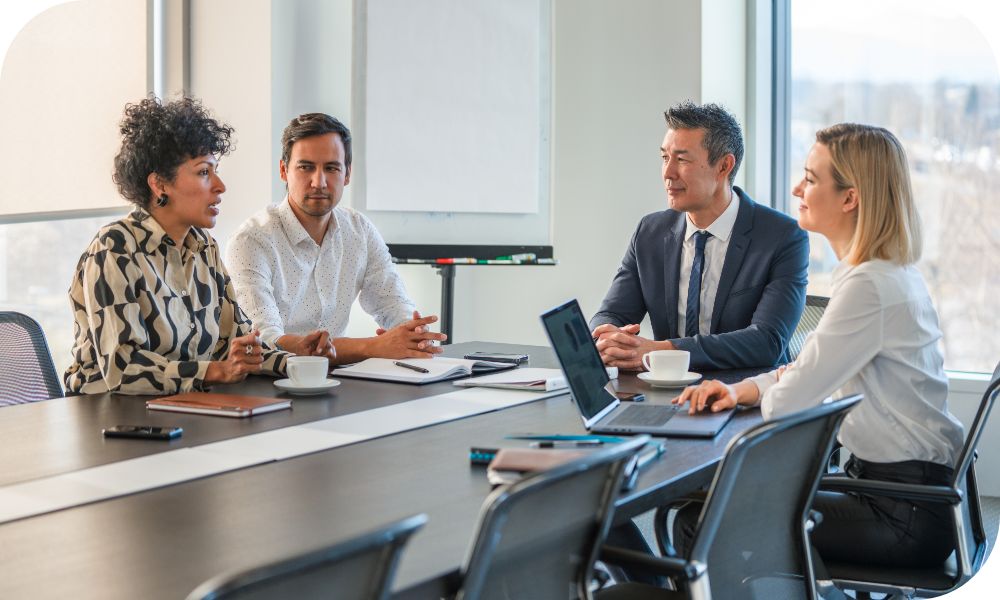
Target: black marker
(410,367)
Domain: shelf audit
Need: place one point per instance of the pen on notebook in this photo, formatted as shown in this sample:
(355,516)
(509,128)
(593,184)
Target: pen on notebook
(566,444)
(410,367)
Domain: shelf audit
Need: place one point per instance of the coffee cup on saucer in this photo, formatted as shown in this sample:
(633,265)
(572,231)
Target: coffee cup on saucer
(307,371)
(667,365)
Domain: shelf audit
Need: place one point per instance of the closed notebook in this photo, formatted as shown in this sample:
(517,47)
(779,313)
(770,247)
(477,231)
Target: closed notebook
(438,369)
(526,378)
(530,460)
(223,405)
(510,464)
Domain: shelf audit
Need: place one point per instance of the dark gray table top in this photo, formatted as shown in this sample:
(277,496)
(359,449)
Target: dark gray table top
(162,543)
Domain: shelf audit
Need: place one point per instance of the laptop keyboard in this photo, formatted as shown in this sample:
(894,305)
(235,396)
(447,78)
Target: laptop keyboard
(642,415)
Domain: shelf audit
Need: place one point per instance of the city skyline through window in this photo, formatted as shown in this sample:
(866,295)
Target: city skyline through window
(927,71)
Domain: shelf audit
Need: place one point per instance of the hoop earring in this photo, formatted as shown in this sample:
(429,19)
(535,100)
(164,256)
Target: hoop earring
(162,200)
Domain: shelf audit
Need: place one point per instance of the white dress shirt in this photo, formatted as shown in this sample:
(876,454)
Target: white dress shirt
(715,255)
(287,283)
(879,336)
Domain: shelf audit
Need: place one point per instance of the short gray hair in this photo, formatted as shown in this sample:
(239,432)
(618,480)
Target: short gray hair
(722,132)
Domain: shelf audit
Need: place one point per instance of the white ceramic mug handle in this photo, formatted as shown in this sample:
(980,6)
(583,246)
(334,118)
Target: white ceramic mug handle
(291,371)
(645,361)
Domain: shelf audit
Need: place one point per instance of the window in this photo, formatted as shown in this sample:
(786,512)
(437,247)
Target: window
(37,262)
(68,68)
(926,71)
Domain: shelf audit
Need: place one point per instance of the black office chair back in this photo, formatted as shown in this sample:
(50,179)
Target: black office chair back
(359,569)
(26,370)
(752,535)
(971,547)
(815,306)
(539,537)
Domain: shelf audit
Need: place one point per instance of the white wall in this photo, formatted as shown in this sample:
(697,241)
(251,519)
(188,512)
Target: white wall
(231,73)
(617,66)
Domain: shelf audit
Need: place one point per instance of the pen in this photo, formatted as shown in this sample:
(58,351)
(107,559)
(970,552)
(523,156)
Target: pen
(410,367)
(556,437)
(566,444)
(415,261)
(525,256)
(456,261)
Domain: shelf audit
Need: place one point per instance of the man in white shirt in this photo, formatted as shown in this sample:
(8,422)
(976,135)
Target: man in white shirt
(718,274)
(299,265)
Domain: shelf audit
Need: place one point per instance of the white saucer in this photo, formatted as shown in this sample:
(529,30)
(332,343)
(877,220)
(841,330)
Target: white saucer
(286,385)
(691,377)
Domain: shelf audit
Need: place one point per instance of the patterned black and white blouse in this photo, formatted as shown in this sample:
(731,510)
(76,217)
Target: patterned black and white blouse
(149,314)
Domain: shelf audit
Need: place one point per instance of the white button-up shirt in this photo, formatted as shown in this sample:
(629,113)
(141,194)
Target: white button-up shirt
(286,283)
(715,255)
(879,336)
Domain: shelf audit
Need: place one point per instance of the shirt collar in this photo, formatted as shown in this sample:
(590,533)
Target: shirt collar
(155,236)
(722,227)
(293,228)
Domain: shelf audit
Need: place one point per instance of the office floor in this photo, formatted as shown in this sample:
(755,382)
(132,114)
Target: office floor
(991,522)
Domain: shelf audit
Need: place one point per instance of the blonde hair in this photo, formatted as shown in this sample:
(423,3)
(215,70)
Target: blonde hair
(872,161)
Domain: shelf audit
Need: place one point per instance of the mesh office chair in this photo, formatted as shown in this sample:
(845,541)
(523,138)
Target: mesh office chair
(751,540)
(815,306)
(538,538)
(26,370)
(966,519)
(359,569)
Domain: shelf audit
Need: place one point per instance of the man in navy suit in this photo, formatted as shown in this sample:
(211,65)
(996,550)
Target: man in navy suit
(719,275)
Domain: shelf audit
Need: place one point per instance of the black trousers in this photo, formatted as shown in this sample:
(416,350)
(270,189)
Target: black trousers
(865,529)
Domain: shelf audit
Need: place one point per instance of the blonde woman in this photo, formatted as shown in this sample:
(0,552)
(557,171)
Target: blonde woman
(879,336)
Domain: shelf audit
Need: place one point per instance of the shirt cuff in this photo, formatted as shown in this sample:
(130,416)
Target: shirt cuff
(270,335)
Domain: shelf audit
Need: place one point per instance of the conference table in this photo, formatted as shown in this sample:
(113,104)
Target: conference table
(163,542)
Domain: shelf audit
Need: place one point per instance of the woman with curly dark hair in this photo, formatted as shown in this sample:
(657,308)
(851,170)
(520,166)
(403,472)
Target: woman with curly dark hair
(154,307)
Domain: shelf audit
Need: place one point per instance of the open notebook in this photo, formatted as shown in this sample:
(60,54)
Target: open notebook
(438,368)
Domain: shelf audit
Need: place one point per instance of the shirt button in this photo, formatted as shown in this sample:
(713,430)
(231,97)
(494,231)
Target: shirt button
(192,325)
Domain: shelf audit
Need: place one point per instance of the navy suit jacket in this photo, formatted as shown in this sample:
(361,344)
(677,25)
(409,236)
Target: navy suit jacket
(759,300)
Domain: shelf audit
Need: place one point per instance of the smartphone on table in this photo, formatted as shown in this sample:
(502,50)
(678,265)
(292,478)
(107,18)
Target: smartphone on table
(630,396)
(146,432)
(503,357)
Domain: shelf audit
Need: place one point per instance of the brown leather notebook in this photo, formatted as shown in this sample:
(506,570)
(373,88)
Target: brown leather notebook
(223,405)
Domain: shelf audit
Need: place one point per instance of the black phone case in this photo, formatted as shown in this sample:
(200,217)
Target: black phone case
(139,435)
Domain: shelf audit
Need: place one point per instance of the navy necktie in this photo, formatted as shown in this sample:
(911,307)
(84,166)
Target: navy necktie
(692,312)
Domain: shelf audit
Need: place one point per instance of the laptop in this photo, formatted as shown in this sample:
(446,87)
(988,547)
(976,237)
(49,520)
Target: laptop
(601,410)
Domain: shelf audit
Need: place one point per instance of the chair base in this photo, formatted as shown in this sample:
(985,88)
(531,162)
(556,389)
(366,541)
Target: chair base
(885,580)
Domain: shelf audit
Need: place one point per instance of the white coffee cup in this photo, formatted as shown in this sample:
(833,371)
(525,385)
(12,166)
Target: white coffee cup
(667,364)
(307,370)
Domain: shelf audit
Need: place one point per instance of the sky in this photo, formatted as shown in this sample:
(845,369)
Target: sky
(896,40)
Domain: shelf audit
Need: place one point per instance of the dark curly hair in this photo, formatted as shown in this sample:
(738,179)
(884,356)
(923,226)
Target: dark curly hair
(158,138)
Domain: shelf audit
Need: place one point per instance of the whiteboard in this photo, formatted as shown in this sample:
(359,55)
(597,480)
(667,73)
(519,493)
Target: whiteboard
(452,103)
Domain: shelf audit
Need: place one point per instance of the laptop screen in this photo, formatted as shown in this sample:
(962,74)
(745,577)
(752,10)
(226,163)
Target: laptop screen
(585,373)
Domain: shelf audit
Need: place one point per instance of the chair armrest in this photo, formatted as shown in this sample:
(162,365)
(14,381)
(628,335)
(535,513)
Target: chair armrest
(668,566)
(907,491)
